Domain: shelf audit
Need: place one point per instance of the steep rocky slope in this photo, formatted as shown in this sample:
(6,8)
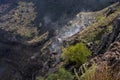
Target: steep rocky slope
(111,58)
(106,52)
(27,30)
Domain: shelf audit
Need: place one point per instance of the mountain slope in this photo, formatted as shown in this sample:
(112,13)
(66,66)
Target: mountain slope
(30,29)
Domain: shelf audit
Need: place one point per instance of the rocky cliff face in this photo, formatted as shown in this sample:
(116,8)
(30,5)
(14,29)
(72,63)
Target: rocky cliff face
(110,38)
(108,52)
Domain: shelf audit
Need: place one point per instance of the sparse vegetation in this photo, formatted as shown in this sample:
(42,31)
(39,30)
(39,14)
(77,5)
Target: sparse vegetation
(103,25)
(92,73)
(20,20)
(102,74)
(89,72)
(23,16)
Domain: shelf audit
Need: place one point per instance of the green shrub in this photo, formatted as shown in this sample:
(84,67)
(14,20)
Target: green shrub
(62,74)
(77,53)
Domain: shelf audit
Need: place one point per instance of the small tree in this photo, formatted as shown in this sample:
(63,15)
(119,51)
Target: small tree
(77,53)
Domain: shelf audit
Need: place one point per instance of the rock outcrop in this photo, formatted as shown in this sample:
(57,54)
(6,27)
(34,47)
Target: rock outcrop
(110,38)
(108,54)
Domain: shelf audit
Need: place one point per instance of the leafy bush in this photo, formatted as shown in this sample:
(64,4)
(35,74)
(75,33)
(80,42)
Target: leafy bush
(77,53)
(62,74)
